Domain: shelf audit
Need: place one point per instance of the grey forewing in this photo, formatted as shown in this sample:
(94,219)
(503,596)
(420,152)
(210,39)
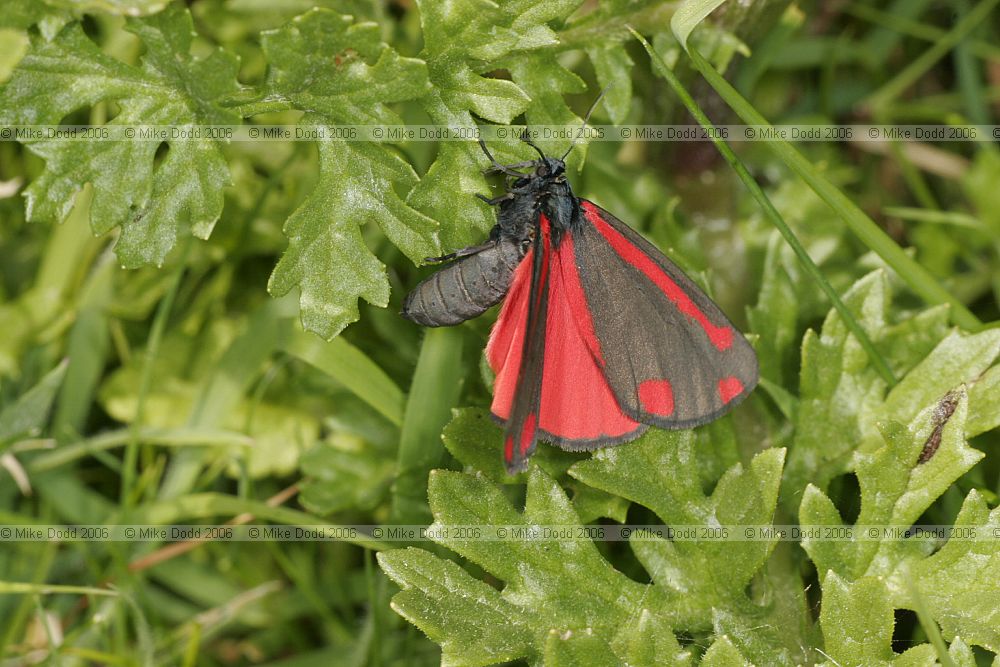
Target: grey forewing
(467,287)
(644,336)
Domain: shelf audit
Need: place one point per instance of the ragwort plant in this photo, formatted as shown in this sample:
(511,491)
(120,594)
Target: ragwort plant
(146,377)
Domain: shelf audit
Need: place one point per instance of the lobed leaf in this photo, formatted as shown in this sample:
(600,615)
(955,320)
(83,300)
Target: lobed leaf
(960,583)
(152,199)
(838,391)
(659,472)
(471,620)
(857,621)
(559,595)
(324,231)
(340,71)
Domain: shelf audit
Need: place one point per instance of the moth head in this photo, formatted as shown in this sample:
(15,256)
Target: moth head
(550,167)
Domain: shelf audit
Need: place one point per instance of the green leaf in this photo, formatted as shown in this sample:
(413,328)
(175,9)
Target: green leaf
(548,83)
(22,14)
(330,65)
(759,634)
(857,621)
(650,641)
(484,30)
(908,342)
(688,15)
(341,72)
(476,627)
(339,478)
(437,382)
(592,504)
(476,441)
(351,367)
(542,592)
(535,571)
(613,67)
(659,471)
(27,416)
(461,40)
(578,649)
(327,258)
(817,512)
(119,7)
(837,389)
(152,202)
(722,653)
(896,488)
(897,482)
(448,190)
(14,45)
(775,316)
(984,402)
(958,359)
(456,37)
(960,584)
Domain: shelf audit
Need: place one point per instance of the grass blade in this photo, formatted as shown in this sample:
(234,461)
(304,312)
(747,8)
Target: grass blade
(689,15)
(916,69)
(352,368)
(434,392)
(914,275)
(772,214)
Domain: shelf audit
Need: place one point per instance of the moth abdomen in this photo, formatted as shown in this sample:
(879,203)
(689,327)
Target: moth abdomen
(466,288)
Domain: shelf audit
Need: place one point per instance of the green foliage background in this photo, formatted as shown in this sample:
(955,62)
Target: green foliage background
(202,331)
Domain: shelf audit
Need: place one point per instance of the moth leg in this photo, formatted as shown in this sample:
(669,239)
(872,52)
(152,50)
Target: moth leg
(458,254)
(495,200)
(508,168)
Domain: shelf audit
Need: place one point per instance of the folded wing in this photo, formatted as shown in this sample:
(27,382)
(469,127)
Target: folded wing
(670,356)
(576,408)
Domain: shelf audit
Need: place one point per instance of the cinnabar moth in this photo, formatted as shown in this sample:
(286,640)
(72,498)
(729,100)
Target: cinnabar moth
(600,335)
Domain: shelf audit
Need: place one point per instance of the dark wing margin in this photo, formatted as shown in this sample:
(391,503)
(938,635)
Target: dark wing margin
(521,435)
(670,355)
(467,287)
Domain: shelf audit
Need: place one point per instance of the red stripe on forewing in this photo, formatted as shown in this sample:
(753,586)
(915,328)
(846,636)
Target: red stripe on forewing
(721,337)
(506,345)
(503,352)
(571,289)
(577,402)
(729,388)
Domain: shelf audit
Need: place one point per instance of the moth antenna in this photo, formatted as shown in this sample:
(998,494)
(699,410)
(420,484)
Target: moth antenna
(527,140)
(586,120)
(496,165)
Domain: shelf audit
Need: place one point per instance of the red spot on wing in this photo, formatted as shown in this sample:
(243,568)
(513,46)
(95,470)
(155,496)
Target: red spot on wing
(657,397)
(508,449)
(730,388)
(527,434)
(720,337)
